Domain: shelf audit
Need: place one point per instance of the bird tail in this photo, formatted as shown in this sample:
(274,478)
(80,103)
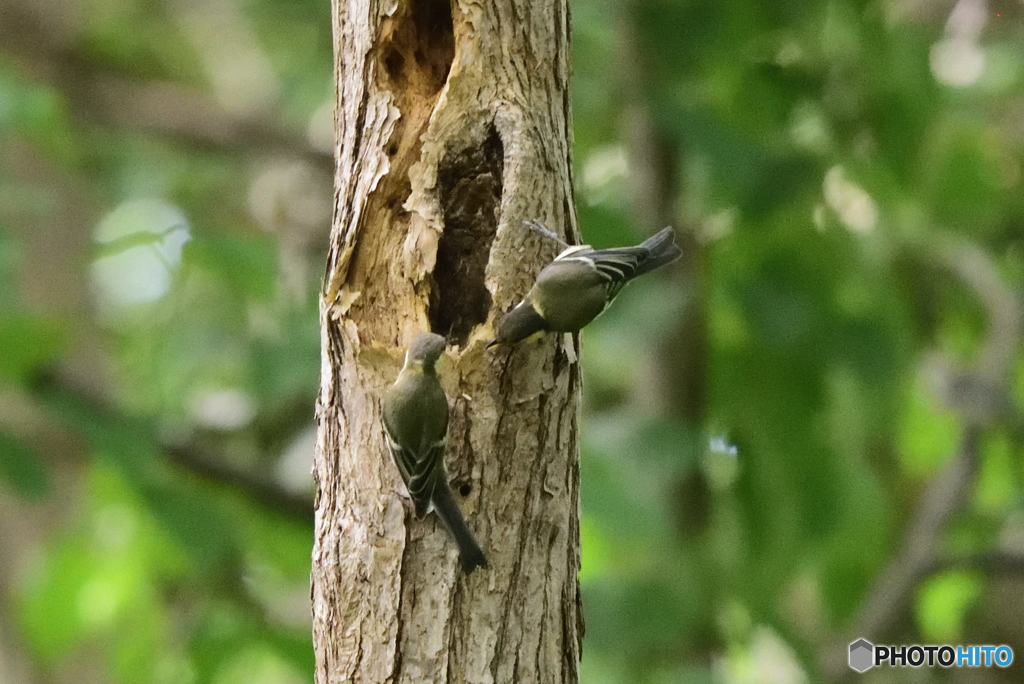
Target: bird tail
(451,517)
(663,249)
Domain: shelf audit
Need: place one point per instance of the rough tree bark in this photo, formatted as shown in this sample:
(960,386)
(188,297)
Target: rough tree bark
(453,126)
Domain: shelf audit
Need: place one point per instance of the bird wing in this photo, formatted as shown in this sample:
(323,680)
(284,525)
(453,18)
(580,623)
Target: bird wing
(418,469)
(573,249)
(615,267)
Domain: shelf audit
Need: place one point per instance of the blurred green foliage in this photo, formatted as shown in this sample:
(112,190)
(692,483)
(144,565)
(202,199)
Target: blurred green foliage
(761,421)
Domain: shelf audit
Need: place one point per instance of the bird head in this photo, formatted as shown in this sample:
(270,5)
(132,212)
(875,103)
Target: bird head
(425,350)
(518,324)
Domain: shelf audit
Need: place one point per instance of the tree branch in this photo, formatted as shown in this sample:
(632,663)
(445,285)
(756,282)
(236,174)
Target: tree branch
(193,458)
(102,95)
(992,563)
(947,493)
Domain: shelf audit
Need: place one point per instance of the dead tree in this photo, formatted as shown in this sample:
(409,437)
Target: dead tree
(452,128)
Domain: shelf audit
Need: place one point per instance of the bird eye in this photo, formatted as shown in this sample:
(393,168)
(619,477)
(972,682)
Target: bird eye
(465,489)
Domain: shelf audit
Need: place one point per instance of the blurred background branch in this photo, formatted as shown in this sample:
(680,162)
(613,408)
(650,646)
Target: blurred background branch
(113,96)
(980,397)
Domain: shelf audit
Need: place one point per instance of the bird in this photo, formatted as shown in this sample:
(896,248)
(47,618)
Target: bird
(415,424)
(573,289)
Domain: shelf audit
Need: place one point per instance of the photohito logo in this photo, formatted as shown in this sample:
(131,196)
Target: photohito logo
(864,655)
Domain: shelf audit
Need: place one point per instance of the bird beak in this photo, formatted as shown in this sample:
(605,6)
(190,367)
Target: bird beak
(492,343)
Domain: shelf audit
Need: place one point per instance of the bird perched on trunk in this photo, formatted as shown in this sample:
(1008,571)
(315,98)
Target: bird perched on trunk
(415,421)
(574,288)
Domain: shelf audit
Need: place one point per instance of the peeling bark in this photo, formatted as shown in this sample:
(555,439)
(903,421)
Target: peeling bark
(453,126)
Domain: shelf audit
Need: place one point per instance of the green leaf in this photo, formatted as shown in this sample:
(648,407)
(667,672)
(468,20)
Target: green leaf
(247,264)
(929,435)
(595,556)
(995,489)
(22,469)
(49,613)
(943,603)
(259,664)
(27,343)
(196,519)
(139,641)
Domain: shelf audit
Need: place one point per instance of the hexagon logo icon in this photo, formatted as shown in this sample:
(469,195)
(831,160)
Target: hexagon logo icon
(862,655)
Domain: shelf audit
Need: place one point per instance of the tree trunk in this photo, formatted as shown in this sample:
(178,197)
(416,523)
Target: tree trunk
(453,126)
